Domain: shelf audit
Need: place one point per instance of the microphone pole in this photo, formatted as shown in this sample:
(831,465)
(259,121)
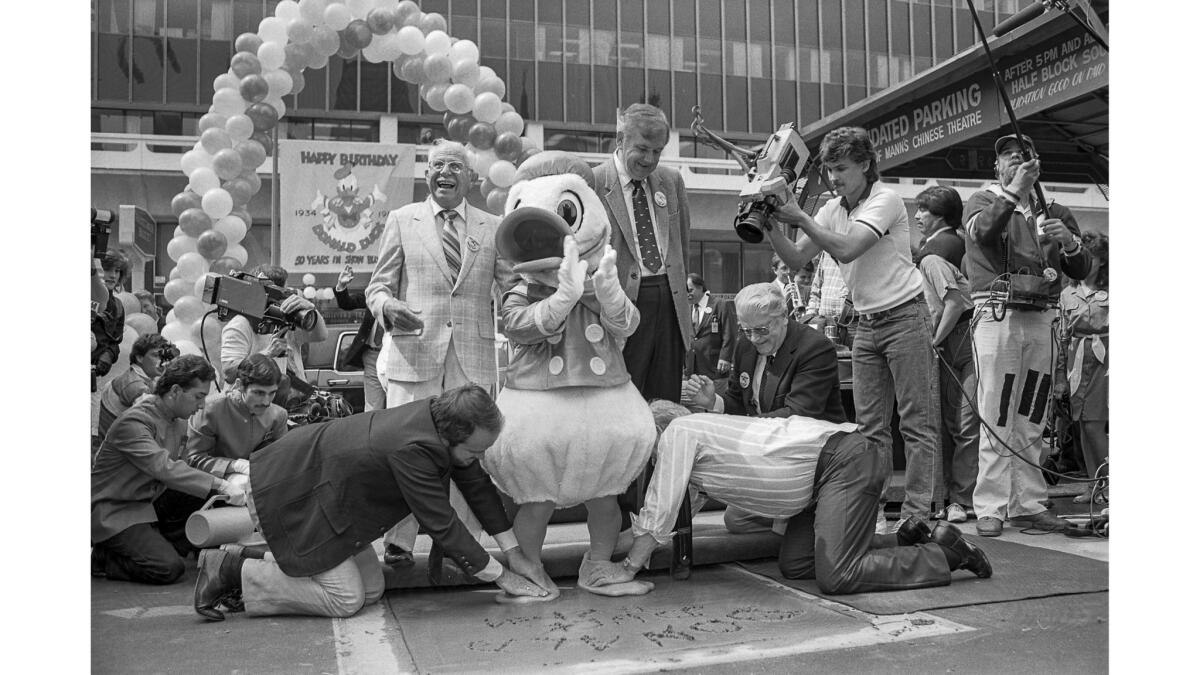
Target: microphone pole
(1041,206)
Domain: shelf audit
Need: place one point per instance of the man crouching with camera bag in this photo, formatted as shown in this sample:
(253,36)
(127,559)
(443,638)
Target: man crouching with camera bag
(1015,261)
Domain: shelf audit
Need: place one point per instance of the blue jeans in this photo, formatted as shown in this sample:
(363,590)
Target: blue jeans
(894,360)
(960,424)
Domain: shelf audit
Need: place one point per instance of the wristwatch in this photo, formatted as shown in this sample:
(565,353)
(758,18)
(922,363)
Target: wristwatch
(1074,249)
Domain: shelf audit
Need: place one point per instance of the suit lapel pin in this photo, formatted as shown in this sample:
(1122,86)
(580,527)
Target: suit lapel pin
(472,244)
(744,380)
(660,199)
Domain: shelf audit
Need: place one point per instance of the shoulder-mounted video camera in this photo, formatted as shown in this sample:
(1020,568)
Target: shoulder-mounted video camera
(783,155)
(101,229)
(256,299)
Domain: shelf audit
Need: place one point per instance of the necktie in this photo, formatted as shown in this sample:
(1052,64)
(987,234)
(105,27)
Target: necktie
(647,243)
(762,380)
(450,243)
(695,316)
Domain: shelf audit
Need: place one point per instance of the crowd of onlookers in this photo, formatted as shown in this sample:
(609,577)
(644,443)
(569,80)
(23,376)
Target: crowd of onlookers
(991,329)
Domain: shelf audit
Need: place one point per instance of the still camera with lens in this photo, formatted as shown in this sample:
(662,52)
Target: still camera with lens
(256,299)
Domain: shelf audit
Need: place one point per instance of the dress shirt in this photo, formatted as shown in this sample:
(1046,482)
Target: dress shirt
(660,235)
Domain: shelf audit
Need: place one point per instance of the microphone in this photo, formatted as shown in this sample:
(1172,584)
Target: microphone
(1019,19)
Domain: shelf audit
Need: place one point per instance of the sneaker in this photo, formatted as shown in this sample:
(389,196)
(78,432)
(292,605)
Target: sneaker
(955,513)
(989,527)
(1042,521)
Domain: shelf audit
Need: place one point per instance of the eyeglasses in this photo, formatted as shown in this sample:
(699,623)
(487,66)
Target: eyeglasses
(758,331)
(453,167)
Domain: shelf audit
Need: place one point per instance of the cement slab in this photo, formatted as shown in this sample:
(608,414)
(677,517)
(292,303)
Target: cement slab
(720,615)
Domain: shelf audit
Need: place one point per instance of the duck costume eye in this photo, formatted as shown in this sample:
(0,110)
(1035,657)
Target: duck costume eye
(570,210)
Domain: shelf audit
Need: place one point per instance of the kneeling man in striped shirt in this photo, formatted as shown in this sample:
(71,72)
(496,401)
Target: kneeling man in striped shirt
(824,478)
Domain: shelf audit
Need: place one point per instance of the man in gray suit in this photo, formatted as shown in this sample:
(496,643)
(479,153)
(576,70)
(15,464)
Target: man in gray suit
(647,207)
(432,291)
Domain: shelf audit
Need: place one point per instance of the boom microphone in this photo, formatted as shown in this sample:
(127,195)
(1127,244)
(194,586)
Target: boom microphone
(1019,19)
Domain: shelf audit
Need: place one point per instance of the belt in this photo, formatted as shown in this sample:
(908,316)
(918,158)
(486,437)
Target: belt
(919,298)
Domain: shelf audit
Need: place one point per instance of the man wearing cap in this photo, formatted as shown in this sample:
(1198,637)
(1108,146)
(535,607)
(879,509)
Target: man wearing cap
(432,292)
(1015,261)
(648,209)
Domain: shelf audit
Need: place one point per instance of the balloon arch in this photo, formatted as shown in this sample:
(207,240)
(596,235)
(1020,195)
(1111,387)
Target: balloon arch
(248,102)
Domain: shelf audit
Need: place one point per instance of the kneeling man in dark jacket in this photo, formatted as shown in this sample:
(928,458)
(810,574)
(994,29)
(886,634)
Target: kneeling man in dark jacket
(324,492)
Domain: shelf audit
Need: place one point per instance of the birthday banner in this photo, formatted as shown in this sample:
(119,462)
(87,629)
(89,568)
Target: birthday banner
(334,202)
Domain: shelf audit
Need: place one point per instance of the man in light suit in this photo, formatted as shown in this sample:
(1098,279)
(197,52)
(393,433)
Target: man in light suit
(647,207)
(432,291)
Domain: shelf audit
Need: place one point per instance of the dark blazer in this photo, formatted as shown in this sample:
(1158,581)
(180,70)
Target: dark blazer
(325,491)
(348,300)
(673,215)
(802,379)
(708,345)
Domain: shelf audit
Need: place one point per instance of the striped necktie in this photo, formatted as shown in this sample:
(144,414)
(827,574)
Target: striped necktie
(450,243)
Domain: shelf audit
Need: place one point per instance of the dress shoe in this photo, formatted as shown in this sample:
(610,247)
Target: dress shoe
(211,589)
(396,557)
(988,526)
(912,531)
(973,557)
(1042,521)
(956,513)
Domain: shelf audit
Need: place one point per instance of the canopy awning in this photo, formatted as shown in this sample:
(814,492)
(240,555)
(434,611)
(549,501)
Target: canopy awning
(943,122)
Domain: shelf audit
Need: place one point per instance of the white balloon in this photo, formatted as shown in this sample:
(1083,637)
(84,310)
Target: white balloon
(373,52)
(198,289)
(325,293)
(510,122)
(189,347)
(192,266)
(487,107)
(459,99)
(195,159)
(287,10)
(228,101)
(389,46)
(238,253)
(232,227)
(464,49)
(225,80)
(278,105)
(464,71)
(412,40)
(437,42)
(310,292)
(502,173)
(202,180)
(313,10)
(309,279)
(179,245)
(170,312)
(176,332)
(217,203)
(484,159)
(279,83)
(338,16)
(359,8)
(273,29)
(271,54)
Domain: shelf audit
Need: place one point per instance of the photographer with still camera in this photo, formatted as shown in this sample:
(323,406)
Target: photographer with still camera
(150,355)
(866,232)
(288,321)
(1015,261)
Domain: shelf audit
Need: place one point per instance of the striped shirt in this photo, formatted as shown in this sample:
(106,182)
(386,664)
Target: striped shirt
(829,291)
(763,465)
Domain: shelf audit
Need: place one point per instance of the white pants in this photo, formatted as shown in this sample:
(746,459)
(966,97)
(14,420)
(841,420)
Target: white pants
(339,592)
(404,533)
(1013,358)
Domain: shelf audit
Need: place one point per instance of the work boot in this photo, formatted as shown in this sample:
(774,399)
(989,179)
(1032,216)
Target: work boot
(213,584)
(973,557)
(913,530)
(988,526)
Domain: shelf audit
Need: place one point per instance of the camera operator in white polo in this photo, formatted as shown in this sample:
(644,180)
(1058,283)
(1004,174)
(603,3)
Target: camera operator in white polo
(240,339)
(1015,262)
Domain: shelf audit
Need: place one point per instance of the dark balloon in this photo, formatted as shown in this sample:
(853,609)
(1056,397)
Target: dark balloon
(357,34)
(482,135)
(460,127)
(183,201)
(211,244)
(508,146)
(225,265)
(245,63)
(239,190)
(380,21)
(247,42)
(263,116)
(252,152)
(263,139)
(194,222)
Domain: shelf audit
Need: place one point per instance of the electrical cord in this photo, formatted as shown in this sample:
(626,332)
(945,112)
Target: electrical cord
(970,399)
